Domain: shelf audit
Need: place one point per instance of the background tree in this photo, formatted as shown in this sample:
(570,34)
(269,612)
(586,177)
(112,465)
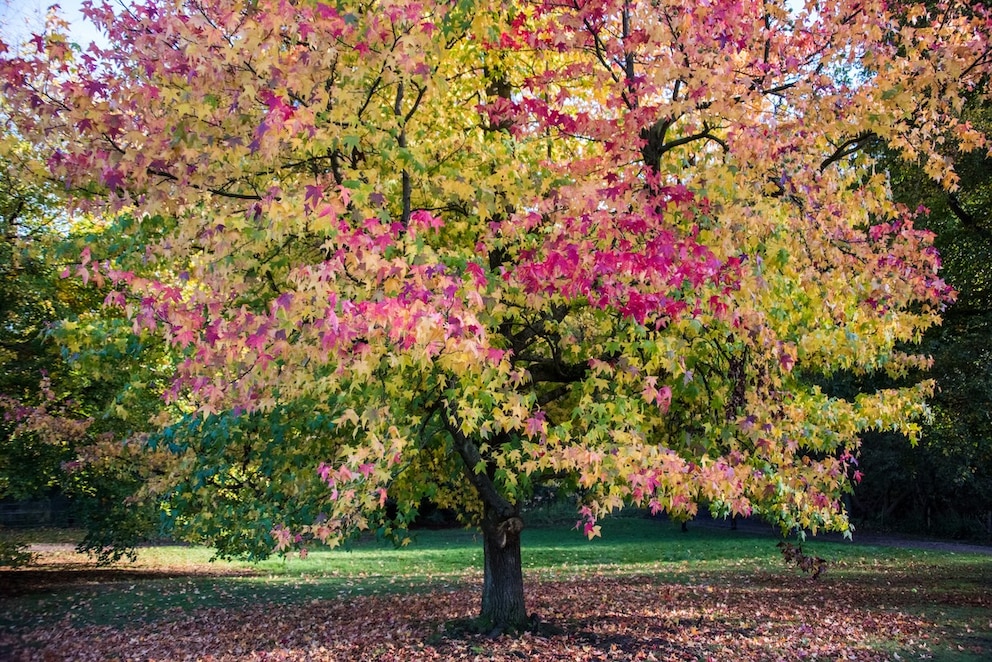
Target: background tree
(25,470)
(66,389)
(31,298)
(944,486)
(456,250)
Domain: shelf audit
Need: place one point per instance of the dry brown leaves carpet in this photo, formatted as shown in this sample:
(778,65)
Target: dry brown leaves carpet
(600,618)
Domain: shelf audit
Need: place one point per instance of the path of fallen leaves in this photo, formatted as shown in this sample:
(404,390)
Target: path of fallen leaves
(770,617)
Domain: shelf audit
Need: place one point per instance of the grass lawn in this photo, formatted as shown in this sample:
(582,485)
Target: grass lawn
(644,590)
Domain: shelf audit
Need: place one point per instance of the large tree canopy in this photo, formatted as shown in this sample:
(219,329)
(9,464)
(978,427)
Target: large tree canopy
(455,249)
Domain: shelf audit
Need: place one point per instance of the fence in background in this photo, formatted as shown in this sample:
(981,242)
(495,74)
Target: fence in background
(53,511)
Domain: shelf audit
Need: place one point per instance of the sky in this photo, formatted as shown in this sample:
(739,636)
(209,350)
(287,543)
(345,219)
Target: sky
(19,18)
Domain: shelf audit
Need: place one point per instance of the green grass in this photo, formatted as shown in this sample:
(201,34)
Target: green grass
(920,581)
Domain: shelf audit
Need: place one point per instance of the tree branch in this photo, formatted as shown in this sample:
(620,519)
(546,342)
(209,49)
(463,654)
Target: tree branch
(215,191)
(401,143)
(655,145)
(481,481)
(555,372)
(847,148)
(967,220)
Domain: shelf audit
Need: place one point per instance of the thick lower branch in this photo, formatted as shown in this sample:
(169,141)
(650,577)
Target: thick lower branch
(848,148)
(481,481)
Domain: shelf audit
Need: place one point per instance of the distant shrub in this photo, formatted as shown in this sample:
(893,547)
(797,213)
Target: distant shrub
(14,554)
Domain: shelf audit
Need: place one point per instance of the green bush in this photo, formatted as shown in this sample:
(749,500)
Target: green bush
(14,554)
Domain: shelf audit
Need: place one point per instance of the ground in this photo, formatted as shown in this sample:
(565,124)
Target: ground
(861,609)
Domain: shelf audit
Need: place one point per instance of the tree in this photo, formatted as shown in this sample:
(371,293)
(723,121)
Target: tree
(459,249)
(64,413)
(30,298)
(68,375)
(944,486)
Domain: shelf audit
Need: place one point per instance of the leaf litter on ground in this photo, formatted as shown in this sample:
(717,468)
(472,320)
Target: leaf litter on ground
(602,617)
(869,604)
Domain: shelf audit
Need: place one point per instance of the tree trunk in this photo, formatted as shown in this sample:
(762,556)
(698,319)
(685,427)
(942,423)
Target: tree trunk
(503,605)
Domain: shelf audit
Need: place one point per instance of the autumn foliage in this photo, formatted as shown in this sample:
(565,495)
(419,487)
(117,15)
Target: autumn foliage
(611,246)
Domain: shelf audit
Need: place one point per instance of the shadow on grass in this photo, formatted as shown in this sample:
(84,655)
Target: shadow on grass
(69,577)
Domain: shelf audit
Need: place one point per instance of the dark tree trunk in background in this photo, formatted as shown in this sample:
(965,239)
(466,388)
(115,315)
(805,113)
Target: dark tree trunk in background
(503,605)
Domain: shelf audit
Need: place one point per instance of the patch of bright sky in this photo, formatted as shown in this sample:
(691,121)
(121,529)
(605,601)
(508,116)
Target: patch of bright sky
(20,18)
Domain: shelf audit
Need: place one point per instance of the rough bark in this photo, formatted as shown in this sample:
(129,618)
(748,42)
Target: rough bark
(503,606)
